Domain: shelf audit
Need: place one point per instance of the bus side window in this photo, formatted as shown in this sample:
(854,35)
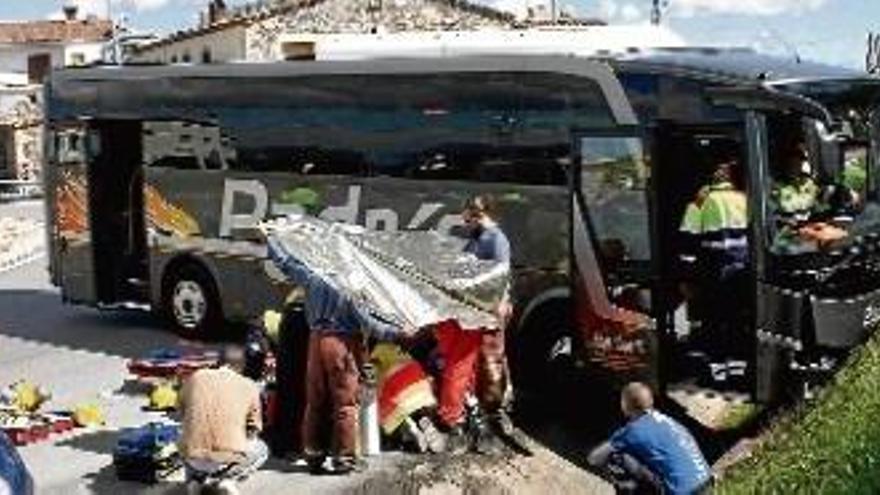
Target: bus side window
(438,126)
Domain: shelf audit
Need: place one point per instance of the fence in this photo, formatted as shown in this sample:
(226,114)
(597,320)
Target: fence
(11,190)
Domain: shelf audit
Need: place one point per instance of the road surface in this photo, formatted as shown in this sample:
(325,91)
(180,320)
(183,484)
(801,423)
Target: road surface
(80,355)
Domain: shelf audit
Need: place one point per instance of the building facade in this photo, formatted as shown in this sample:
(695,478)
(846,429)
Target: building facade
(260,33)
(29,51)
(21,132)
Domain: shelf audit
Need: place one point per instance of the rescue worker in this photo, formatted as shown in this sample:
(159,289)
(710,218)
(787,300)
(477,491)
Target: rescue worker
(653,449)
(802,208)
(475,359)
(795,194)
(221,418)
(488,242)
(334,363)
(715,257)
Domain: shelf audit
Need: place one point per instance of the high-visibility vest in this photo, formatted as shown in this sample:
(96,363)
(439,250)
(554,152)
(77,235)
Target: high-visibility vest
(716,227)
(796,198)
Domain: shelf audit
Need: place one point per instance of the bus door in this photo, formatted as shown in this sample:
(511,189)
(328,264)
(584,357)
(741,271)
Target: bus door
(70,235)
(116,202)
(690,161)
(611,257)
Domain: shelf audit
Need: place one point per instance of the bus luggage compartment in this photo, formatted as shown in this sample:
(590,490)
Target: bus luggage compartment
(845,323)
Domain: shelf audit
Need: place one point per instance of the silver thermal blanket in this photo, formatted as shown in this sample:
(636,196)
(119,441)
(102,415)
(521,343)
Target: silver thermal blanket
(411,278)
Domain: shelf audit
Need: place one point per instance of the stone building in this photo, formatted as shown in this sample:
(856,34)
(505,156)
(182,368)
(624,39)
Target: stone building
(257,31)
(272,30)
(29,50)
(21,117)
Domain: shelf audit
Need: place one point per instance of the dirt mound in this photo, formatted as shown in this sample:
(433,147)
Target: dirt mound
(541,473)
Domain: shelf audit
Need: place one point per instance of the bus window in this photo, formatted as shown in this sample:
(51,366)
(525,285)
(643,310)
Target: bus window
(442,126)
(614,179)
(500,127)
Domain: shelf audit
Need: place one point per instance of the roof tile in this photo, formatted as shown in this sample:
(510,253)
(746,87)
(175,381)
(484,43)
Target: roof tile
(89,30)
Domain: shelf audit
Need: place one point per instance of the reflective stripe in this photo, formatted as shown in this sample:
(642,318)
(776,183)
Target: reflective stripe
(726,244)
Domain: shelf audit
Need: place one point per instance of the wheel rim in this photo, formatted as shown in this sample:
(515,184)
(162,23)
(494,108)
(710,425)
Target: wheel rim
(189,303)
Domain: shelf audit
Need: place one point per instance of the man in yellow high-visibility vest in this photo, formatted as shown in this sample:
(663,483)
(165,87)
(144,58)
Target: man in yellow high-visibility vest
(716,254)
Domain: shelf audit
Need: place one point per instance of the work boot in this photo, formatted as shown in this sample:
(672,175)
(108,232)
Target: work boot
(413,433)
(316,463)
(501,423)
(736,368)
(435,440)
(718,372)
(457,441)
(485,441)
(347,464)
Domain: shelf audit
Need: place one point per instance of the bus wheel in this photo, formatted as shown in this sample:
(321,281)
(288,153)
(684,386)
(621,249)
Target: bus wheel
(190,301)
(545,359)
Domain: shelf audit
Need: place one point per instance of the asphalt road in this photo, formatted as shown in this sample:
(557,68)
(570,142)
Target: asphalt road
(80,354)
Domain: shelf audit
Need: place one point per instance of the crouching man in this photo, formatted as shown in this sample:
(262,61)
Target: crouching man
(653,449)
(221,418)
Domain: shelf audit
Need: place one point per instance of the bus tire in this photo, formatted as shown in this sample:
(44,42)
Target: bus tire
(190,302)
(544,353)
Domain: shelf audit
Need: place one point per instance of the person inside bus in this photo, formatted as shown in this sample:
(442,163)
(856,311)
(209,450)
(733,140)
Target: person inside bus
(799,203)
(222,416)
(794,194)
(338,327)
(654,450)
(715,253)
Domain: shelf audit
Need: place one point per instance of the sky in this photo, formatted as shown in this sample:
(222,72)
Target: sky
(831,31)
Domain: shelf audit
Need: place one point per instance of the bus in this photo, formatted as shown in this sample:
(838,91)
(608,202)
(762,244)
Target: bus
(157,178)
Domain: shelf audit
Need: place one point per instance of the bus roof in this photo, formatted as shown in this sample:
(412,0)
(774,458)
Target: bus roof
(722,65)
(736,65)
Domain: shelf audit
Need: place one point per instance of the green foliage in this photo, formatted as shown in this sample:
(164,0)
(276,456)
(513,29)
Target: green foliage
(305,197)
(830,447)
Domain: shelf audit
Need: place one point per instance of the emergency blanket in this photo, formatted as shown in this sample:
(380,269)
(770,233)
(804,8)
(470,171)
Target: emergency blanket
(410,278)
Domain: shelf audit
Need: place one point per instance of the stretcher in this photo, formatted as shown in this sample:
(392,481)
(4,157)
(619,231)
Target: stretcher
(171,363)
(25,429)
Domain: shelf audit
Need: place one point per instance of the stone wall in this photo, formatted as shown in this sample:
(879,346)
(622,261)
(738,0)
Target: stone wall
(365,16)
(21,112)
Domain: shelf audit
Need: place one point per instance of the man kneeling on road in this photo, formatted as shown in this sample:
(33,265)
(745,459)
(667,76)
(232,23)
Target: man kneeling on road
(221,418)
(653,448)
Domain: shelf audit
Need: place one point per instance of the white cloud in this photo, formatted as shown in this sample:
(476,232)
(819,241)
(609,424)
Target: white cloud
(608,9)
(630,13)
(616,12)
(688,8)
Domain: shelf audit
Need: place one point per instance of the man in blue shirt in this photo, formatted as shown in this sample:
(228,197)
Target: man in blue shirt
(654,448)
(334,358)
(488,242)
